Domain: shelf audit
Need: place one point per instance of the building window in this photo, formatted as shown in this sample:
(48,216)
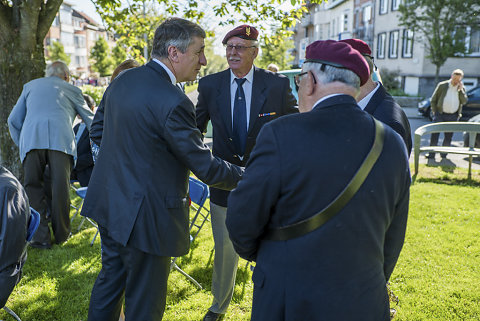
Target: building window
(393,44)
(383,5)
(381,45)
(345,22)
(407,47)
(472,41)
(367,14)
(395,5)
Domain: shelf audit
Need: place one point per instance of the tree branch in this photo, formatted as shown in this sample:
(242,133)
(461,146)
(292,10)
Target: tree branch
(48,11)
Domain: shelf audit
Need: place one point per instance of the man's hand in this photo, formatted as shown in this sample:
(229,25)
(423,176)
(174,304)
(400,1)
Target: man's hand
(460,86)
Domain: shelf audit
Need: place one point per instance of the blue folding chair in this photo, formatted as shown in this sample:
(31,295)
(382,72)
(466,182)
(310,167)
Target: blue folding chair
(82,192)
(199,193)
(33,223)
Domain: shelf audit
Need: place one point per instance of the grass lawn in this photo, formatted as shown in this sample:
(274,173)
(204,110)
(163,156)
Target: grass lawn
(437,276)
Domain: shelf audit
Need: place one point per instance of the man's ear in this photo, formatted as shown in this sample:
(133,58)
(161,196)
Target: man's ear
(309,84)
(173,53)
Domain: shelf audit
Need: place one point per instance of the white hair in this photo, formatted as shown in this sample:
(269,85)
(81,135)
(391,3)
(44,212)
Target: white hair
(327,74)
(57,68)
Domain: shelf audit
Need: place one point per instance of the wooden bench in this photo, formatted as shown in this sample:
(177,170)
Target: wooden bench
(472,128)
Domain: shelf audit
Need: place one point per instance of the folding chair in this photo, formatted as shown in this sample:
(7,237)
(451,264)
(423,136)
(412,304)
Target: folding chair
(82,192)
(199,193)
(33,224)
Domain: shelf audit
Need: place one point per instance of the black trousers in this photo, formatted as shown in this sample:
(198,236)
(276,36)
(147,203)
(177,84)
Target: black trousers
(139,277)
(37,189)
(448,136)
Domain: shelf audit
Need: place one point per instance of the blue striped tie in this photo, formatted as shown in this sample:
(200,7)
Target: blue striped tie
(240,118)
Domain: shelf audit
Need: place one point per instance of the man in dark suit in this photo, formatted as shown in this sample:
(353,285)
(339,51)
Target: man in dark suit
(375,99)
(238,101)
(299,165)
(138,192)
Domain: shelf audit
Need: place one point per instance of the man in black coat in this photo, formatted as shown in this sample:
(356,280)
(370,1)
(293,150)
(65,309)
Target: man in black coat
(299,165)
(266,96)
(14,219)
(138,192)
(375,99)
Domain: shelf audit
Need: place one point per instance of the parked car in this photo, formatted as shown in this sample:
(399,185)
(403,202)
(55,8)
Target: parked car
(290,74)
(470,109)
(466,136)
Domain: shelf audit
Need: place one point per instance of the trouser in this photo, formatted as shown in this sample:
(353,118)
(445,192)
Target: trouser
(447,136)
(139,277)
(225,262)
(60,165)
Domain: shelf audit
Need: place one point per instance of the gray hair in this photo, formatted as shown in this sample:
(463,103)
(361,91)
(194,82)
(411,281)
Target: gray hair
(175,32)
(57,68)
(327,74)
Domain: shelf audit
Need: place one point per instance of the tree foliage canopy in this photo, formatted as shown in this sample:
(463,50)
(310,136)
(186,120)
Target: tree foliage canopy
(441,25)
(56,51)
(102,63)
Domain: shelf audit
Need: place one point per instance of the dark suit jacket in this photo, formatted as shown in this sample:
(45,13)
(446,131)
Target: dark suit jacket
(84,165)
(14,218)
(384,108)
(299,165)
(271,93)
(138,189)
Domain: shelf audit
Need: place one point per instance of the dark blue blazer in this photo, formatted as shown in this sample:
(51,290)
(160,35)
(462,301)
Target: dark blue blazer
(271,98)
(84,165)
(299,165)
(384,108)
(138,190)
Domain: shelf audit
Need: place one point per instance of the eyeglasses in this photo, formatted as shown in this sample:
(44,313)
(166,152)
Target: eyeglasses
(238,48)
(299,76)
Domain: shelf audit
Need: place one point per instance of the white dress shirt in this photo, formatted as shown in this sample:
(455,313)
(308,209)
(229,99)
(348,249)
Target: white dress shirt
(247,89)
(365,100)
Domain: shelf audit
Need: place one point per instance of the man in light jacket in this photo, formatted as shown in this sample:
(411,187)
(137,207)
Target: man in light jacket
(41,125)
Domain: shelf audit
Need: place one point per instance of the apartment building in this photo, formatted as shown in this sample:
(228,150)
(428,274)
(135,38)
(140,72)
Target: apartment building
(394,47)
(78,33)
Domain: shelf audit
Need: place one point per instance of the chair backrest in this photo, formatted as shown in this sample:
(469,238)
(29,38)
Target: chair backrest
(198,191)
(471,127)
(33,224)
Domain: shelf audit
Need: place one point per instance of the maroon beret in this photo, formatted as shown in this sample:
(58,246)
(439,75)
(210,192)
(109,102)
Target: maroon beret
(359,45)
(244,31)
(340,55)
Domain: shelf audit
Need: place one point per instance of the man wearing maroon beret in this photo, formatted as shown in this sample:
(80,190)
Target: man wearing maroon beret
(238,101)
(337,269)
(375,99)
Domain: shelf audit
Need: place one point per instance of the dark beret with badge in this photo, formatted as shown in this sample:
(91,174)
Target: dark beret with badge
(338,54)
(359,45)
(244,31)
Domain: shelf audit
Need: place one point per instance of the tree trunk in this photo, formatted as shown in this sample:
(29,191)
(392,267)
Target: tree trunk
(19,63)
(437,73)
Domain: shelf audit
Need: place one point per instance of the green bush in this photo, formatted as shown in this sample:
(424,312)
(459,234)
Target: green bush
(390,79)
(96,92)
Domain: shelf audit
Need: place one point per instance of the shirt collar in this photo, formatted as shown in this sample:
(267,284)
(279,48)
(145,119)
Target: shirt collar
(169,72)
(324,98)
(248,77)
(365,100)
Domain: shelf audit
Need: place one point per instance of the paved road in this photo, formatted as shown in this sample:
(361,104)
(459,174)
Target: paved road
(416,121)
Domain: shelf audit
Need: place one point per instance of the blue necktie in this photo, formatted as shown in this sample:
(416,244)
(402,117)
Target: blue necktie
(240,118)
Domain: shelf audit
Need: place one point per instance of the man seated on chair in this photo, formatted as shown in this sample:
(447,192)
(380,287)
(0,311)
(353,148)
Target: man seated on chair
(14,216)
(299,165)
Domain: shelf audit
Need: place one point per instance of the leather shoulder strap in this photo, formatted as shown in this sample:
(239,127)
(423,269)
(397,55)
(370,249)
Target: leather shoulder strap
(320,218)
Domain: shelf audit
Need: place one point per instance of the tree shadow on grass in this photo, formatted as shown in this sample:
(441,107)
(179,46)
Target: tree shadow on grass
(447,180)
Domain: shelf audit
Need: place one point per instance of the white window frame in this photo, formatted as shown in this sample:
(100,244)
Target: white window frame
(381,40)
(407,43)
(393,44)
(395,4)
(382,6)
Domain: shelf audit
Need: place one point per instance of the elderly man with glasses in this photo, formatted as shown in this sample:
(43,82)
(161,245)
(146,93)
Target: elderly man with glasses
(238,101)
(322,207)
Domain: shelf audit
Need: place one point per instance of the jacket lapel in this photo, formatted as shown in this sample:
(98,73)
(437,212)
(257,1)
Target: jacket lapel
(224,101)
(258,97)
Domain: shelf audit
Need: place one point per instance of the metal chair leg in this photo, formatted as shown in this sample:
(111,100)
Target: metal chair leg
(12,314)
